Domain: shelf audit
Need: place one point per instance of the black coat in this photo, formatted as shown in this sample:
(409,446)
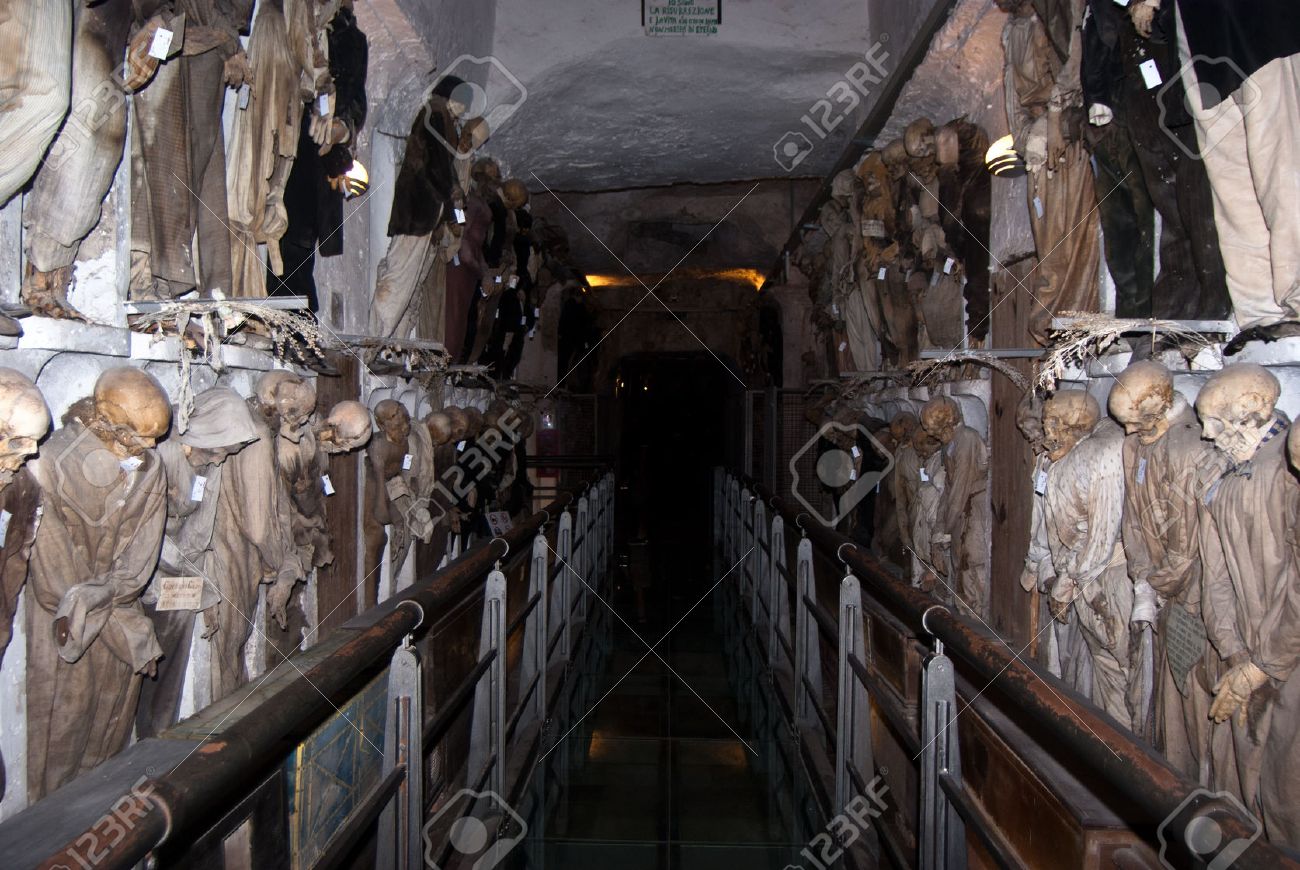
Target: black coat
(422,195)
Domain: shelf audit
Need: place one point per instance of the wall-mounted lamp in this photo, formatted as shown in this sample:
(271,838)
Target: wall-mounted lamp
(1002,159)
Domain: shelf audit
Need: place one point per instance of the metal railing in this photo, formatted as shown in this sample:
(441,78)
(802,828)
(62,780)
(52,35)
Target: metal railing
(561,553)
(775,627)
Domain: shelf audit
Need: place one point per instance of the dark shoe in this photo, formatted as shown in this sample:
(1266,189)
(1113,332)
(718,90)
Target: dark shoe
(9,327)
(46,294)
(1267,333)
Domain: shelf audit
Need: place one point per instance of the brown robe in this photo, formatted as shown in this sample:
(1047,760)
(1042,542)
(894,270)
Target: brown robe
(95,550)
(383,464)
(964,514)
(1163,485)
(1061,202)
(1252,610)
(21,499)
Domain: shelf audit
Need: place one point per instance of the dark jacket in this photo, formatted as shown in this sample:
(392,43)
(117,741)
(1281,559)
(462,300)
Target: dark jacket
(422,195)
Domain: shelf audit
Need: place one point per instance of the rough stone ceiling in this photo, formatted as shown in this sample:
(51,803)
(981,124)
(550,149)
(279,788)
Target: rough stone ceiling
(608,107)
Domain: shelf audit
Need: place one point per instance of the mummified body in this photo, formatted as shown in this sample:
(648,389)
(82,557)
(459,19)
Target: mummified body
(1165,466)
(89,641)
(1252,597)
(961,538)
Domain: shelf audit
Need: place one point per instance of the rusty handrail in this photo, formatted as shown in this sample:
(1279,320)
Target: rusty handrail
(1135,771)
(229,764)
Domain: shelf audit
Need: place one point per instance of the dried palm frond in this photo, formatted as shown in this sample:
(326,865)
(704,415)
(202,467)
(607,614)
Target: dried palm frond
(926,371)
(1089,335)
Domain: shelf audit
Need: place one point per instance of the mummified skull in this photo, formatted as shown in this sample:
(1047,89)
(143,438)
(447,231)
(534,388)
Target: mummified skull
(492,416)
(1141,399)
(895,156)
(439,427)
(1236,408)
(941,417)
(918,138)
(284,396)
(843,184)
(24,420)
(394,421)
(902,426)
(459,422)
(130,411)
(1068,417)
(473,422)
(924,443)
(514,193)
(346,428)
(1029,420)
(947,145)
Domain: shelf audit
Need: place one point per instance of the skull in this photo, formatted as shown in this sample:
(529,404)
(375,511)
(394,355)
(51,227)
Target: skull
(924,443)
(346,428)
(843,185)
(130,411)
(1068,417)
(459,422)
(947,145)
(394,421)
(873,174)
(1141,399)
(473,422)
(1236,408)
(514,193)
(486,171)
(895,156)
(439,425)
(1029,420)
(941,417)
(918,138)
(284,396)
(24,420)
(492,416)
(902,427)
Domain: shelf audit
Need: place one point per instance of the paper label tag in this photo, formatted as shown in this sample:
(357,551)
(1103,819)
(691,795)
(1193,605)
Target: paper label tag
(499,522)
(532,332)
(1142,471)
(523,321)
(934,279)
(881,274)
(514,281)
(855,451)
(455,259)
(130,464)
(835,309)
(843,346)
(200,486)
(1038,206)
(537,312)
(947,265)
(162,42)
(326,485)
(853,474)
(1121,2)
(180,593)
(5,517)
(925,476)
(496,315)
(496,279)
(460,215)
(244,93)
(406,461)
(1040,483)
(1150,74)
(323,105)
(460,446)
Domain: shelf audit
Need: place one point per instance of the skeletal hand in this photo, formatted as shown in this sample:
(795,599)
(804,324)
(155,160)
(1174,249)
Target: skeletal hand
(1233,690)
(1143,15)
(236,73)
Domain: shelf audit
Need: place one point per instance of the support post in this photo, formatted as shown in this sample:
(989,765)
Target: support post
(943,836)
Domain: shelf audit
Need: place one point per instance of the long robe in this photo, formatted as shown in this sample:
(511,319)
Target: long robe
(964,515)
(1252,609)
(21,500)
(1083,506)
(95,550)
(1062,200)
(1163,486)
(929,499)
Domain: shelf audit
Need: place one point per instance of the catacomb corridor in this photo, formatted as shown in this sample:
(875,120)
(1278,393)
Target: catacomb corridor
(664,434)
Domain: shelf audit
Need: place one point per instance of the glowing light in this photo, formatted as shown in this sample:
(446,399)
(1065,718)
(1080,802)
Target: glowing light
(1002,159)
(356,180)
(753,277)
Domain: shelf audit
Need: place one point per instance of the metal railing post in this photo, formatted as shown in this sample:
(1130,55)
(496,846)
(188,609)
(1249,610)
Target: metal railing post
(564,548)
(853,718)
(758,577)
(400,843)
(778,596)
(942,834)
(581,547)
(488,728)
(807,644)
(536,634)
